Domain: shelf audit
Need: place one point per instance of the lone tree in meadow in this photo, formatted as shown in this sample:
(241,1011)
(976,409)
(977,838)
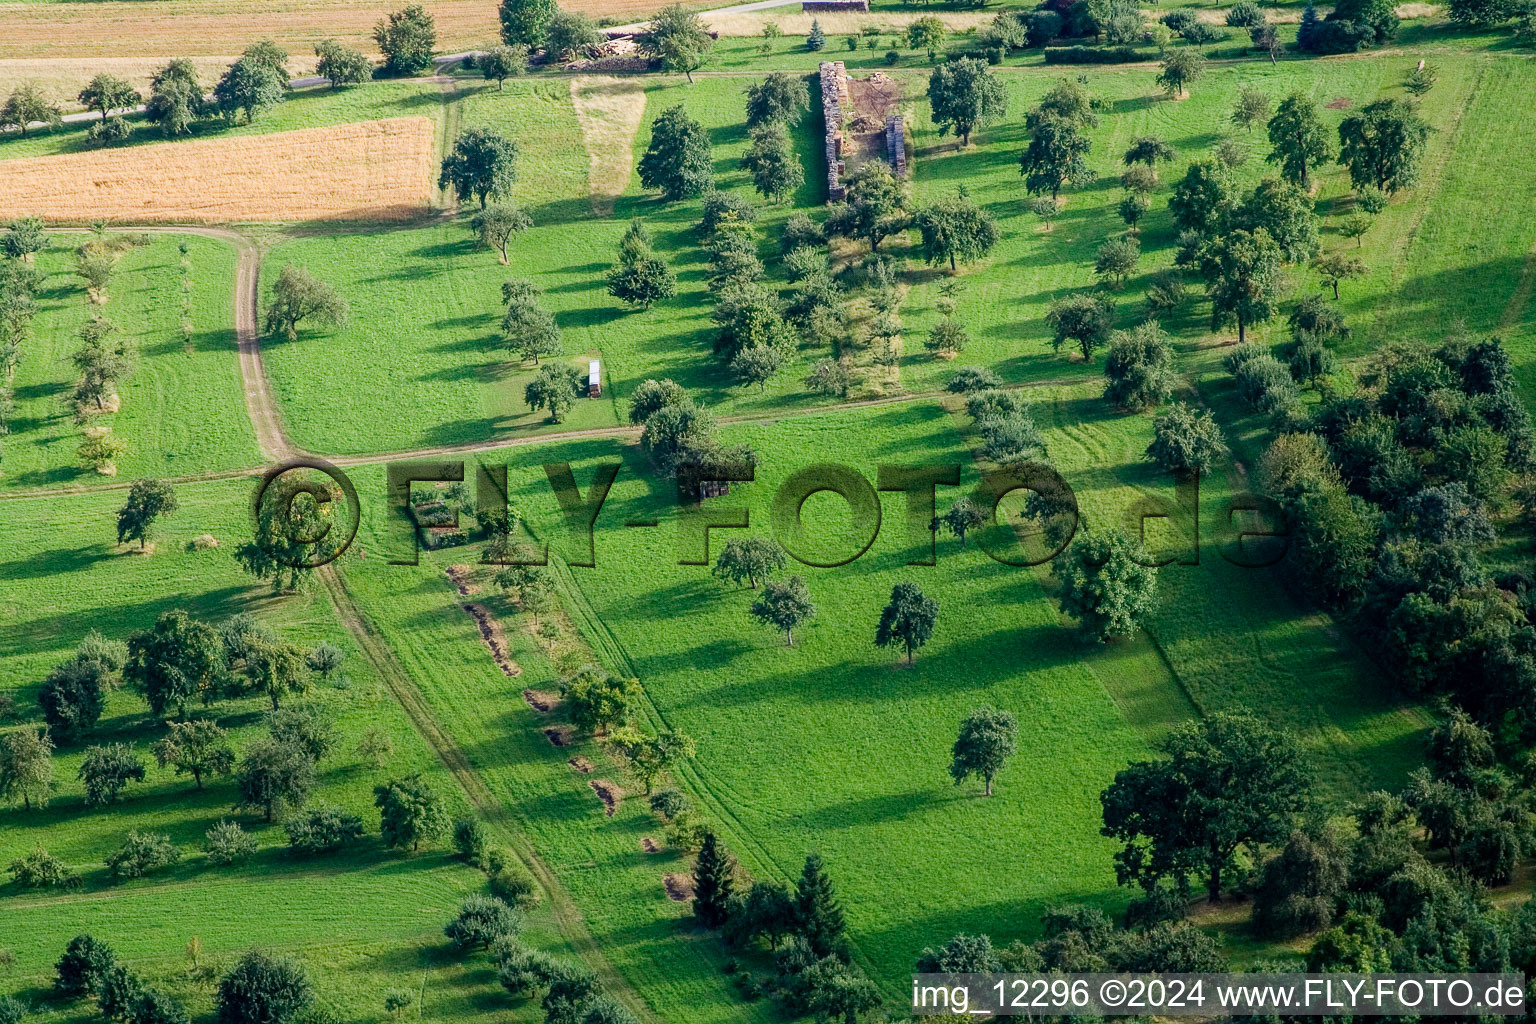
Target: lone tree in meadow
(962,517)
(499,63)
(527,328)
(1084,318)
(409,812)
(1337,267)
(955,230)
(640,277)
(497,224)
(24,236)
(341,65)
(985,743)
(197,749)
(1138,369)
(297,296)
(876,205)
(784,604)
(1251,108)
(751,560)
(713,881)
(175,661)
(106,93)
(1225,782)
(482,166)
(965,95)
(1148,150)
(1242,277)
(1299,139)
(148,500)
(1186,441)
(907,620)
(406,38)
(677,162)
(1181,69)
(555,387)
(525,22)
(263,988)
(1383,145)
(1104,584)
(1057,155)
(679,39)
(273,776)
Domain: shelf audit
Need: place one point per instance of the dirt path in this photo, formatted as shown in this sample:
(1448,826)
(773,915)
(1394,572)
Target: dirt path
(567,917)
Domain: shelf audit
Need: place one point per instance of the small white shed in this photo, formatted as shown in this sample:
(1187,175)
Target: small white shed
(594,378)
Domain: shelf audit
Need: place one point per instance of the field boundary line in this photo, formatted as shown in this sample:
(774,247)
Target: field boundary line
(568,917)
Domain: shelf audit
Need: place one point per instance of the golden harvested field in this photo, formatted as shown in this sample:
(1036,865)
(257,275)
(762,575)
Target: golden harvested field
(372,170)
(61,78)
(70,31)
(796,23)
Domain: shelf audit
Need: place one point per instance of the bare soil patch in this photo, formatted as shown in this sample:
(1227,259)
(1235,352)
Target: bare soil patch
(460,575)
(679,887)
(371,170)
(649,845)
(609,110)
(490,632)
(580,764)
(541,700)
(1339,103)
(558,736)
(608,793)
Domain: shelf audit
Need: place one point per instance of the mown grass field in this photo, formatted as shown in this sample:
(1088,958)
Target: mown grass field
(181,412)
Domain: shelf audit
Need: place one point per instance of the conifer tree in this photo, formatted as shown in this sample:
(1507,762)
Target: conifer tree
(712,883)
(817,912)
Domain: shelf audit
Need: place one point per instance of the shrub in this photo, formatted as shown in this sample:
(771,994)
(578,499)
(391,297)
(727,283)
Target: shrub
(1245,14)
(512,883)
(892,58)
(108,133)
(38,870)
(1265,383)
(669,803)
(471,840)
(141,853)
(11,1010)
(521,970)
(263,989)
(80,970)
(322,830)
(482,920)
(972,378)
(722,206)
(227,843)
(1093,55)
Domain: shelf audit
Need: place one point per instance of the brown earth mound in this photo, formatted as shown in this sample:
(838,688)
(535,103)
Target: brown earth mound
(581,764)
(649,845)
(679,887)
(608,793)
(460,575)
(491,633)
(558,736)
(541,700)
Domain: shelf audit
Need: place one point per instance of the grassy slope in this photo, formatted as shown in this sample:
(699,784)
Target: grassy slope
(182,411)
(360,930)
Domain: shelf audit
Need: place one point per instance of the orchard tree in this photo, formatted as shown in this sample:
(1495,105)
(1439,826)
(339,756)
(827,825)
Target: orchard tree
(1299,139)
(1383,145)
(1116,260)
(1057,156)
(777,99)
(500,63)
(598,700)
(1105,585)
(1186,440)
(1139,368)
(907,620)
(571,34)
(409,812)
(1202,198)
(83,967)
(482,166)
(986,741)
(1084,318)
(481,922)
(784,604)
(175,98)
(1148,150)
(1251,108)
(26,766)
(679,38)
(24,236)
(651,756)
(776,170)
(106,93)
(1133,207)
(148,500)
(927,33)
(497,224)
(640,277)
(197,749)
(263,988)
(173,662)
(555,387)
(105,770)
(297,295)
(956,230)
(406,38)
(273,776)
(965,95)
(1181,69)
(27,105)
(275,668)
(677,162)
(1046,208)
(526,22)
(751,560)
(1334,267)
(527,328)
(1225,782)
(251,85)
(341,65)
(875,207)
(1242,277)
(73,696)
(963,516)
